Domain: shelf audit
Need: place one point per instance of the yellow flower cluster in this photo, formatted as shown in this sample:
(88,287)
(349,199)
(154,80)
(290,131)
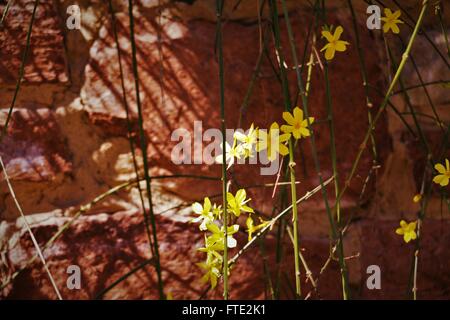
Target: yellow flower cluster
(275,143)
(209,218)
(390,19)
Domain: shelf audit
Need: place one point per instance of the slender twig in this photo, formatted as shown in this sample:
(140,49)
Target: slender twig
(427,94)
(344,274)
(420,31)
(362,64)
(219,49)
(272,222)
(86,207)
(143,142)
(5,12)
(426,84)
(129,126)
(291,165)
(33,239)
(444,29)
(251,85)
(308,272)
(385,100)
(333,227)
(21,70)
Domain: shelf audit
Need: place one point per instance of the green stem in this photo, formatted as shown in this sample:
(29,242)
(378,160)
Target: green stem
(288,107)
(364,77)
(385,100)
(344,273)
(304,96)
(270,225)
(143,143)
(219,7)
(426,84)
(422,83)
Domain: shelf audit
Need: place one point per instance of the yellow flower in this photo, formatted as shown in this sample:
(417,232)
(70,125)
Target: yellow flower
(247,140)
(216,240)
(417,198)
(296,124)
(238,203)
(205,214)
(444,173)
(251,228)
(334,44)
(273,142)
(212,269)
(391,20)
(407,230)
(230,154)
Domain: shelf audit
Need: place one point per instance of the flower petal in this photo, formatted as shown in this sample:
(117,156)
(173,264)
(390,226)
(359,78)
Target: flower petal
(329,54)
(444,181)
(338,33)
(298,114)
(396,14)
(284,137)
(304,132)
(197,208)
(341,46)
(233,229)
(207,205)
(327,35)
(213,281)
(231,242)
(287,129)
(440,168)
(407,237)
(325,47)
(213,228)
(438,179)
(387,12)
(240,196)
(395,28)
(240,136)
(230,198)
(283,150)
(288,118)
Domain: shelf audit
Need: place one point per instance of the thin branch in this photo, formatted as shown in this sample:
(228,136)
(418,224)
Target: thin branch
(33,239)
(21,70)
(272,222)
